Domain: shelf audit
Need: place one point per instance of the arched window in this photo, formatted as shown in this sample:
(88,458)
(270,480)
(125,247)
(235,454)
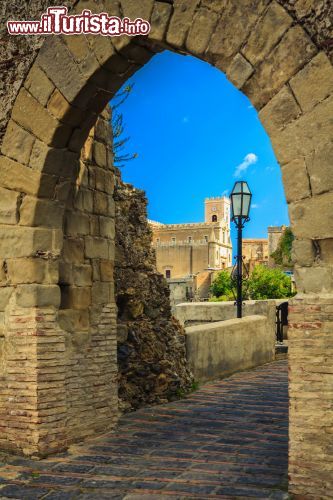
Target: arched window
(214,218)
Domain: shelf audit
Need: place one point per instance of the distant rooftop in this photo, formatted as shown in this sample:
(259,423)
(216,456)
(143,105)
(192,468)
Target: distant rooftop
(217,198)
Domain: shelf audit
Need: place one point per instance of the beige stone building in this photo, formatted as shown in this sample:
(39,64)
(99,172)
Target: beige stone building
(259,250)
(255,252)
(187,254)
(274,235)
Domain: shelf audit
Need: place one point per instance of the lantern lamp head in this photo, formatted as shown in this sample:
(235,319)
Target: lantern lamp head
(240,201)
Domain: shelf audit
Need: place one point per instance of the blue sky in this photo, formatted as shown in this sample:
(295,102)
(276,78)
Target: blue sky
(194,133)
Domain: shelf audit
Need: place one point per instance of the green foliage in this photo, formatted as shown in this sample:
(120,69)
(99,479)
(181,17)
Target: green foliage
(269,283)
(282,254)
(195,386)
(118,128)
(222,287)
(182,393)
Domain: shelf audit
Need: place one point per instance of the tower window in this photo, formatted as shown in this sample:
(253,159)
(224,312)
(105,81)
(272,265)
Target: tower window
(190,239)
(173,240)
(214,218)
(168,274)
(157,240)
(206,238)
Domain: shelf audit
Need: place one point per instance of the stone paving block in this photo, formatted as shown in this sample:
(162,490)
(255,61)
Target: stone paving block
(62,495)
(22,491)
(229,439)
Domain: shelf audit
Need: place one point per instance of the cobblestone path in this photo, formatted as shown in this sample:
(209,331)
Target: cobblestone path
(227,440)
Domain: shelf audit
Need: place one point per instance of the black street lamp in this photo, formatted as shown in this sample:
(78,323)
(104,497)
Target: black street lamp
(240,207)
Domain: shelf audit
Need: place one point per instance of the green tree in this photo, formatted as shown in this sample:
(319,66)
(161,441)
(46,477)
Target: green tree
(118,128)
(282,254)
(269,283)
(221,287)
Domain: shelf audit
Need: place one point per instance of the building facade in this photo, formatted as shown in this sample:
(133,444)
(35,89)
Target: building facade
(187,254)
(274,236)
(255,252)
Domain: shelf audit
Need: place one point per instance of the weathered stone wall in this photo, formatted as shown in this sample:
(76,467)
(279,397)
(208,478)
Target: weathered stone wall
(87,311)
(58,365)
(151,343)
(17,52)
(316,17)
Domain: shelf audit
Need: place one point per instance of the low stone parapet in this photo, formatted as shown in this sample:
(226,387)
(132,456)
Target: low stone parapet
(218,349)
(195,313)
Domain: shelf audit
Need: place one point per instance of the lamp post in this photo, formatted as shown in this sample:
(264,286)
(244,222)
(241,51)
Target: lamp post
(240,207)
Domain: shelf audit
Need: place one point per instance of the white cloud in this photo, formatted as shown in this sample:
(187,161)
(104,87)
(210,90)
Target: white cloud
(254,205)
(225,192)
(249,159)
(185,119)
(270,168)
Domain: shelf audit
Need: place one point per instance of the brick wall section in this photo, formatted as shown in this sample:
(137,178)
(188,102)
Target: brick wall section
(311,396)
(34,376)
(151,343)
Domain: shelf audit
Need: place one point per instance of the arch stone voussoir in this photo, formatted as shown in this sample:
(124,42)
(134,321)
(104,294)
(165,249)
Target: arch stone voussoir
(57,248)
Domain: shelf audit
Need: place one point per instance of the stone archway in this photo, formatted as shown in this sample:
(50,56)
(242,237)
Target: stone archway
(272,59)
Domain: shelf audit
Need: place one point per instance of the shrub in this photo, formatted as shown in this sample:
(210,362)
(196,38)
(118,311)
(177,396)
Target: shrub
(221,287)
(267,283)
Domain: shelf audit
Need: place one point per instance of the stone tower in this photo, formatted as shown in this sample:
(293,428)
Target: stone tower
(217,209)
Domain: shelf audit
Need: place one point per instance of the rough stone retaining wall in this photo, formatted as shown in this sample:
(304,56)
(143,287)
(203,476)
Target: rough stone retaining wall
(151,343)
(218,349)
